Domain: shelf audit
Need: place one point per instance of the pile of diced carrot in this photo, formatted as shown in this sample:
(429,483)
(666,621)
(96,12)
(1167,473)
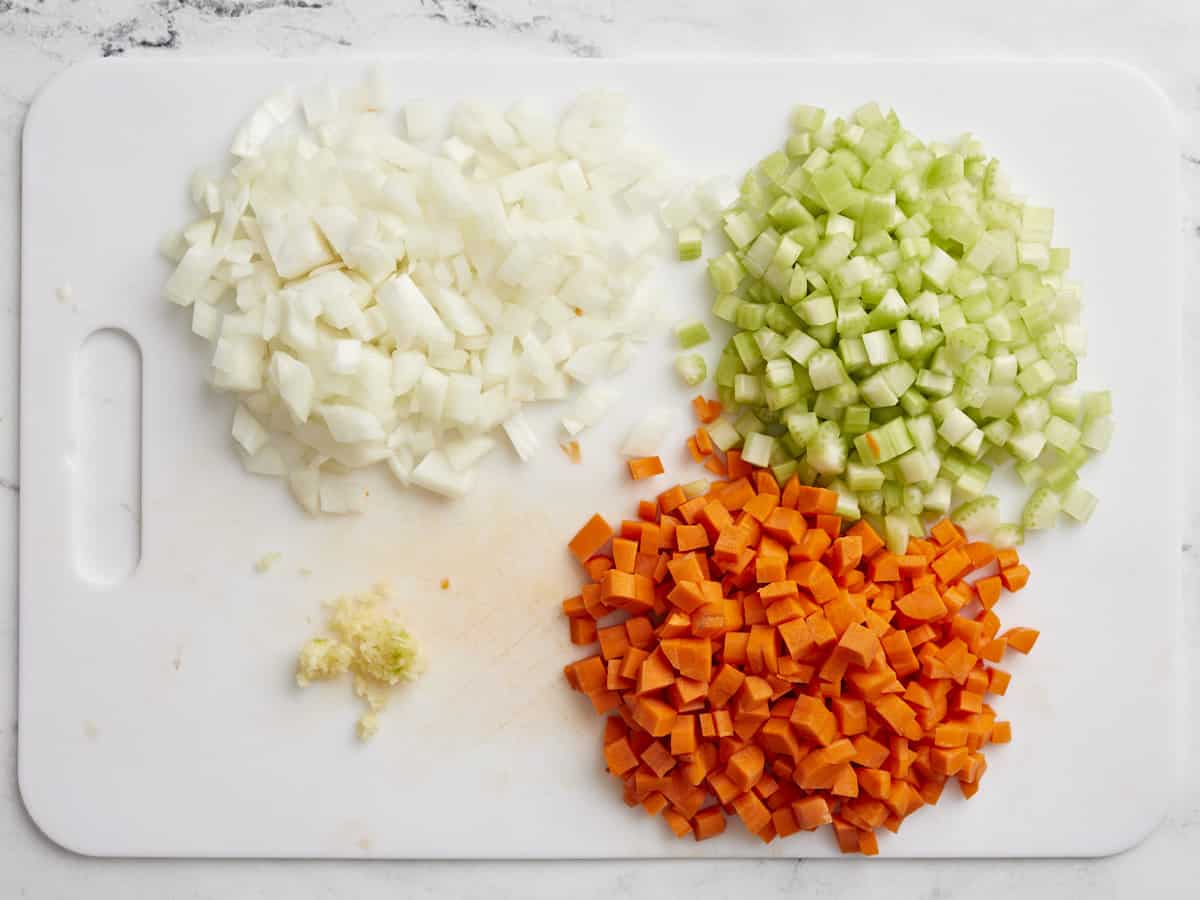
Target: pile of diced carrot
(757,659)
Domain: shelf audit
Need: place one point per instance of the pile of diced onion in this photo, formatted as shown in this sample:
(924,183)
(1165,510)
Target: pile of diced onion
(379,290)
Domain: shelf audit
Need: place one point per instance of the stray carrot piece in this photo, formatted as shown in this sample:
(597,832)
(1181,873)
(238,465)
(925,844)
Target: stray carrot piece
(583,631)
(830,524)
(981,553)
(812,812)
(815,500)
(619,757)
(871,541)
(694,450)
(648,510)
(571,448)
(1007,558)
(590,538)
(597,566)
(708,823)
(703,442)
(847,836)
(1021,639)
(691,537)
(765,483)
(624,554)
(645,467)
(1014,577)
(922,604)
(706,410)
(735,466)
(945,533)
(952,564)
(716,466)
(1001,733)
(574,608)
(671,499)
(998,680)
(754,815)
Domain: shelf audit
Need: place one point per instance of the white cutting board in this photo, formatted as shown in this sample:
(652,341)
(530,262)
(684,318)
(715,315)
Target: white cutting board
(157,710)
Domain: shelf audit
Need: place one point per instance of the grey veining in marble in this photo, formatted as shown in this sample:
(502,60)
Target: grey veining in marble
(39,38)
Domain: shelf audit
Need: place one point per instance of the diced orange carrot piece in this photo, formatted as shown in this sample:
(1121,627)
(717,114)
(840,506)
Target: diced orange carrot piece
(645,467)
(1021,639)
(590,538)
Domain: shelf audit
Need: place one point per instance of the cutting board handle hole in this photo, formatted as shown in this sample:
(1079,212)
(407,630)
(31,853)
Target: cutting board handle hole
(108,469)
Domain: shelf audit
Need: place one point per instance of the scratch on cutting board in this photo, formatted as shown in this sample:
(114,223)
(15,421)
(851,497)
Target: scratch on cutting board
(10,485)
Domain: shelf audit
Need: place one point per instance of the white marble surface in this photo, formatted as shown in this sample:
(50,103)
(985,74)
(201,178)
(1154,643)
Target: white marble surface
(41,37)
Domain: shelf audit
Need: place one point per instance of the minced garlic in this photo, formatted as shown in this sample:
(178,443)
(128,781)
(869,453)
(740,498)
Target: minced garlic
(368,642)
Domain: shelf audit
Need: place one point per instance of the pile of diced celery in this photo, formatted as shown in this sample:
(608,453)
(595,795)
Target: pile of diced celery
(903,327)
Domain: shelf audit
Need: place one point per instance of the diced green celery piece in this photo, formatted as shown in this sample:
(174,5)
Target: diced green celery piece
(1041,510)
(825,369)
(728,366)
(974,480)
(938,497)
(1097,405)
(908,338)
(826,453)
(751,316)
(757,448)
(1004,369)
(851,319)
(1097,433)
(770,343)
(784,471)
(747,350)
(747,422)
(724,435)
(818,310)
(725,272)
(966,342)
(896,534)
(802,426)
(1001,400)
(914,403)
(1036,378)
(1031,473)
(945,171)
(880,349)
(980,516)
(726,306)
(1027,445)
(691,334)
(779,372)
(747,389)
(884,443)
(689,243)
(932,384)
(998,432)
(807,118)
(826,335)
(1061,434)
(1032,413)
(847,504)
(1079,503)
(1007,536)
(797,286)
(780,318)
(876,391)
(888,312)
(853,353)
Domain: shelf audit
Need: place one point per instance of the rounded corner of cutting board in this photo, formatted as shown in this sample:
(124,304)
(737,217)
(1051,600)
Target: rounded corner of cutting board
(45,817)
(57,90)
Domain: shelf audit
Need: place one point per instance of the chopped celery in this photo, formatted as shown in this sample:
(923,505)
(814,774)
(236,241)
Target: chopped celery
(903,323)
(724,436)
(979,516)
(690,243)
(1079,503)
(691,334)
(1041,510)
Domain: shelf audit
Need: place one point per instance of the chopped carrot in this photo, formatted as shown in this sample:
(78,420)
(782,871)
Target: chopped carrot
(798,675)
(645,467)
(590,538)
(571,448)
(1021,639)
(706,410)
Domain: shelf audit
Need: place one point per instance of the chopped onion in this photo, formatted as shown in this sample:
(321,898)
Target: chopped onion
(384,296)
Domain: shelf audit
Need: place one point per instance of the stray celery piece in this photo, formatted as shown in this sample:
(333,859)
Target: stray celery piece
(693,369)
(690,243)
(692,334)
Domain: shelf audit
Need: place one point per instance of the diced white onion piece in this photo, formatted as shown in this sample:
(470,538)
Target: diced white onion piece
(351,424)
(434,473)
(465,452)
(340,497)
(522,436)
(294,382)
(247,431)
(648,433)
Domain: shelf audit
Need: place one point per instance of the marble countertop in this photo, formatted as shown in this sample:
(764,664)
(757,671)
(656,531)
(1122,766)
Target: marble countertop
(39,38)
